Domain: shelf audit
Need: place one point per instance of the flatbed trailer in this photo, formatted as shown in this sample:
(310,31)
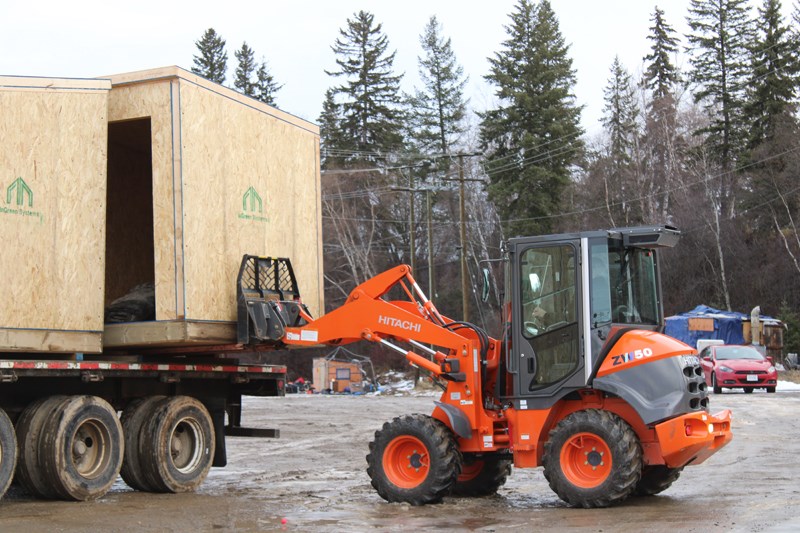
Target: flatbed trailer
(60,429)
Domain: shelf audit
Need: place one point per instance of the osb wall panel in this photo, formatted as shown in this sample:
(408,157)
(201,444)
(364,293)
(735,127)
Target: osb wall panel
(155,100)
(52,205)
(250,184)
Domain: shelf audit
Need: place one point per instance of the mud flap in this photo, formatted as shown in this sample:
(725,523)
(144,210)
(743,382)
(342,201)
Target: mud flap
(458,420)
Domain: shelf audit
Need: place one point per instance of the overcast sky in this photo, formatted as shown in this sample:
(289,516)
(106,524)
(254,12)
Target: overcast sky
(93,38)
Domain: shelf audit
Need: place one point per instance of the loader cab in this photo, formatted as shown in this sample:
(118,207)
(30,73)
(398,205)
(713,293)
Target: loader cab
(568,296)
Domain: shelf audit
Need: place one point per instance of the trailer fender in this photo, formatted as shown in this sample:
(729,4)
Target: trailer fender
(458,420)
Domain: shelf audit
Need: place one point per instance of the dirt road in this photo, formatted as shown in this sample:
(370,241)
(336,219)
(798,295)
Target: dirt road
(314,477)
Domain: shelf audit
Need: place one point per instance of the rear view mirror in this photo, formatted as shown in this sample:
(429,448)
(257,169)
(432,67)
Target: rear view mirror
(485,286)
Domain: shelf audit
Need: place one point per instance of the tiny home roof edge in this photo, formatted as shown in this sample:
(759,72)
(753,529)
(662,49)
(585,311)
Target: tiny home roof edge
(174,72)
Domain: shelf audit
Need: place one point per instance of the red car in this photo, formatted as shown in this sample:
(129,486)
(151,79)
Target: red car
(737,367)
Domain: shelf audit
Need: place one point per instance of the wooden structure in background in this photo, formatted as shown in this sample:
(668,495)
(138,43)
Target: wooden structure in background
(337,375)
(53,138)
(199,175)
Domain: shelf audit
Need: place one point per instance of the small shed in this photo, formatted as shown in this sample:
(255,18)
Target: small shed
(341,371)
(53,142)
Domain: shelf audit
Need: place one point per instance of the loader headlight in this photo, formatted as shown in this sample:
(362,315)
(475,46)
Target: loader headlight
(711,428)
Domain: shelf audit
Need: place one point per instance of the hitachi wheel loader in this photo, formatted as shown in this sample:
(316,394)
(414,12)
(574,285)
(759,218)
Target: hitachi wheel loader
(580,381)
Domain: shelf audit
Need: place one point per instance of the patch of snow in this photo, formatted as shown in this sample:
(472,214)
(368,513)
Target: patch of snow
(787,386)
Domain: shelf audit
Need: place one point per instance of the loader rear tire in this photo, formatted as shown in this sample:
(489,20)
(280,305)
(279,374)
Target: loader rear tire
(592,458)
(482,476)
(176,445)
(132,420)
(29,472)
(413,459)
(8,452)
(81,448)
(656,479)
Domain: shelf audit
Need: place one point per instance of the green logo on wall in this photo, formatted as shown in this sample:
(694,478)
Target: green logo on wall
(19,197)
(251,201)
(21,188)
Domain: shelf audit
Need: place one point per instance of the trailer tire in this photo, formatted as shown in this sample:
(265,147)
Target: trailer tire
(29,471)
(176,445)
(482,476)
(133,418)
(81,448)
(8,452)
(414,459)
(592,458)
(656,479)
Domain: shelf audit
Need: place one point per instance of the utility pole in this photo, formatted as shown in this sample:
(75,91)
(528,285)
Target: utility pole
(462,220)
(411,221)
(431,289)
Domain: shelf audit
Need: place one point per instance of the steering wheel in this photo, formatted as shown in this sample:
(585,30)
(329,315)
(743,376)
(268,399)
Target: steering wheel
(533,328)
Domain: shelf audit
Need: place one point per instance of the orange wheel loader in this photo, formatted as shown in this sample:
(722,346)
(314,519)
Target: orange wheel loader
(580,381)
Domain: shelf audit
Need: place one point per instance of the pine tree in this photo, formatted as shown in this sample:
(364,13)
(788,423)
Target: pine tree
(245,70)
(772,86)
(660,137)
(213,59)
(719,47)
(265,86)
(438,109)
(721,32)
(661,75)
(533,138)
(619,114)
(329,129)
(370,95)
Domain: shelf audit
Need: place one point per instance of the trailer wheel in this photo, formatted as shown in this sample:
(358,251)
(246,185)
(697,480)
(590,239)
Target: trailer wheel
(29,472)
(482,476)
(592,458)
(176,445)
(656,479)
(132,420)
(8,452)
(413,459)
(81,448)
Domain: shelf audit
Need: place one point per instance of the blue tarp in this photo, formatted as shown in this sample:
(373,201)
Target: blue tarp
(727,326)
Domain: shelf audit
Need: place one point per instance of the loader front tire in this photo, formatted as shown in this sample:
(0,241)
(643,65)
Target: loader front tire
(592,458)
(482,475)
(413,459)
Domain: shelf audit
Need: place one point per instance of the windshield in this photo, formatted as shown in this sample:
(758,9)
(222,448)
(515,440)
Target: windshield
(624,288)
(737,352)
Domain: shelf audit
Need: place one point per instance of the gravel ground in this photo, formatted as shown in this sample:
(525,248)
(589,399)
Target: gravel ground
(313,479)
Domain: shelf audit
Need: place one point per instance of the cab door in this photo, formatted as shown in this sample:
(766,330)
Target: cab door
(547,335)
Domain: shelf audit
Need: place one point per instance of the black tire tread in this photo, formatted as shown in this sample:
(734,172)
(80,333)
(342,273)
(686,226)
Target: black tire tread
(9,448)
(656,479)
(492,476)
(133,418)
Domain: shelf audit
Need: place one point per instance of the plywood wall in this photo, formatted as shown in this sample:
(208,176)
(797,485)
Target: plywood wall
(155,100)
(52,203)
(250,185)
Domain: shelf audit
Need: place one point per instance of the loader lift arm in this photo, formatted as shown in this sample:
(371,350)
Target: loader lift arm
(270,310)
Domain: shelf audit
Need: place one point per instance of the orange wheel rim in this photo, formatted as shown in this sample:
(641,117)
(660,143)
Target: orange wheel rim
(406,462)
(586,460)
(471,470)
